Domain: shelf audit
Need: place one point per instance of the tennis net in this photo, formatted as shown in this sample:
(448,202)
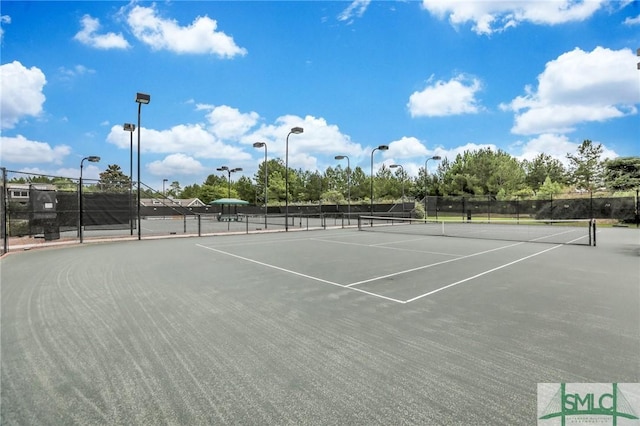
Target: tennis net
(574,231)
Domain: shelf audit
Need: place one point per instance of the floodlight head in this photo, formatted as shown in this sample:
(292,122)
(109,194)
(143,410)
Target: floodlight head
(259,144)
(143,98)
(383,147)
(237,169)
(436,157)
(128,127)
(340,157)
(297,130)
(222,169)
(93,158)
(393,166)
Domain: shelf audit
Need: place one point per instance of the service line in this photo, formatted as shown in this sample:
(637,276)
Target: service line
(289,271)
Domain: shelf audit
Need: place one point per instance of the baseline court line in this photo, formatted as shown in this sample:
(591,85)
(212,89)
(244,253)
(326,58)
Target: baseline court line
(481,274)
(300,274)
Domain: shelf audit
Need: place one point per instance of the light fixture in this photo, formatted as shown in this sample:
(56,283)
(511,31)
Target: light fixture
(141,98)
(426,182)
(128,127)
(379,148)
(92,159)
(297,131)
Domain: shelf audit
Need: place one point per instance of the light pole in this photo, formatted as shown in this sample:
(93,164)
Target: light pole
(128,127)
(163,182)
(342,157)
(426,181)
(381,148)
(141,98)
(92,159)
(229,171)
(266,182)
(297,131)
(393,166)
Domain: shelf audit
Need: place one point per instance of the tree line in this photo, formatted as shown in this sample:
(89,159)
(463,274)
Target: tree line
(473,173)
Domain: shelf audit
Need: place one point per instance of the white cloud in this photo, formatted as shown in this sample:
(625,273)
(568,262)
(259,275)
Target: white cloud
(76,71)
(176,164)
(21,150)
(87,35)
(21,90)
(443,98)
(200,37)
(632,21)
(578,87)
(192,139)
(229,123)
(495,16)
(355,9)
(556,146)
(318,137)
(4,19)
(407,147)
(189,144)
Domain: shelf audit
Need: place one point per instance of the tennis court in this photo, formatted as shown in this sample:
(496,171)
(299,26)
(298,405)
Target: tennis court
(333,326)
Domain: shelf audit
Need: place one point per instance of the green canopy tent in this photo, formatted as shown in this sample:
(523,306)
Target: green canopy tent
(228,202)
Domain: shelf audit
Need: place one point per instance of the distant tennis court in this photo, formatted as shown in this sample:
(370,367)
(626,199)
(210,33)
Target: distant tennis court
(336,326)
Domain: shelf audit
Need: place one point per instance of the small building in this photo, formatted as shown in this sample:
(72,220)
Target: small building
(19,192)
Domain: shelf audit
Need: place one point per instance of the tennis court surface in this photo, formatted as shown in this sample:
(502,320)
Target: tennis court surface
(322,327)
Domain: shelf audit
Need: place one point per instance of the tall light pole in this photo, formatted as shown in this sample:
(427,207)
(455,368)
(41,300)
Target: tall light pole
(128,127)
(229,171)
(266,182)
(297,131)
(92,159)
(381,148)
(393,166)
(342,157)
(141,98)
(163,182)
(426,181)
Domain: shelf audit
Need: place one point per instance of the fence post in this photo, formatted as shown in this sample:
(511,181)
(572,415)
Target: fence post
(637,208)
(464,205)
(5,235)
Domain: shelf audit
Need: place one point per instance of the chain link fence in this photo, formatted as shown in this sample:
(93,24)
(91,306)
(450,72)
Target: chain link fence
(66,211)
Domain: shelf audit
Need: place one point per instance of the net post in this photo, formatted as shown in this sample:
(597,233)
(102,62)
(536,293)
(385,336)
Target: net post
(199,226)
(593,225)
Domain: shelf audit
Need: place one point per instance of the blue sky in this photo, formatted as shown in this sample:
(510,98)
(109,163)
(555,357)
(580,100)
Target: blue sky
(426,78)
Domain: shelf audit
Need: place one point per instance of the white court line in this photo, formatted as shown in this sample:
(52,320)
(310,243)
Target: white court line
(429,265)
(387,248)
(481,274)
(300,274)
